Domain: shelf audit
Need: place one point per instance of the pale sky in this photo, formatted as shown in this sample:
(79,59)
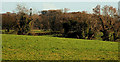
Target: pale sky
(73,6)
(60,0)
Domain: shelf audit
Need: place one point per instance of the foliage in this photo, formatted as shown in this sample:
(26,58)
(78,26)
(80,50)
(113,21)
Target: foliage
(23,20)
(71,24)
(8,21)
(23,23)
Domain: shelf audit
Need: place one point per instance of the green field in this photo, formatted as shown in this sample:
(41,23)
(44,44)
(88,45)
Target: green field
(23,47)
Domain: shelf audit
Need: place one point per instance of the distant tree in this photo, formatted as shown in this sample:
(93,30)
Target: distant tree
(51,19)
(112,11)
(105,10)
(104,30)
(96,10)
(22,9)
(69,28)
(8,21)
(115,29)
(66,27)
(109,11)
(106,23)
(36,23)
(23,20)
(66,10)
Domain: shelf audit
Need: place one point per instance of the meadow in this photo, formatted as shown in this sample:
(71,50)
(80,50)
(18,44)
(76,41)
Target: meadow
(24,47)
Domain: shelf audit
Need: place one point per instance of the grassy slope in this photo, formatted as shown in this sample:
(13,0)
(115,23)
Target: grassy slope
(52,48)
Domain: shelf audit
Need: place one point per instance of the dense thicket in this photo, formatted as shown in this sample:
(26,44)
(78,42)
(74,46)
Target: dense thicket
(75,24)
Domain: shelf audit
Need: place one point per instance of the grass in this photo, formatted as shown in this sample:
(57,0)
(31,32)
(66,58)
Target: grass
(32,31)
(39,31)
(4,31)
(23,47)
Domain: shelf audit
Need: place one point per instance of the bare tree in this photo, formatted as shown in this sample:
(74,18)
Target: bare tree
(66,10)
(96,10)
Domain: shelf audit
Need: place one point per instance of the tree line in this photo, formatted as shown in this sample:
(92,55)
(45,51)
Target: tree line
(81,25)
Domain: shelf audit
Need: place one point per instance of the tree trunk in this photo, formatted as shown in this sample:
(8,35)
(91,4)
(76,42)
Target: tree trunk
(8,30)
(114,36)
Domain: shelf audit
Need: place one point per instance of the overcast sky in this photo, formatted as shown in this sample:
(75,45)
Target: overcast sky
(59,0)
(73,6)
